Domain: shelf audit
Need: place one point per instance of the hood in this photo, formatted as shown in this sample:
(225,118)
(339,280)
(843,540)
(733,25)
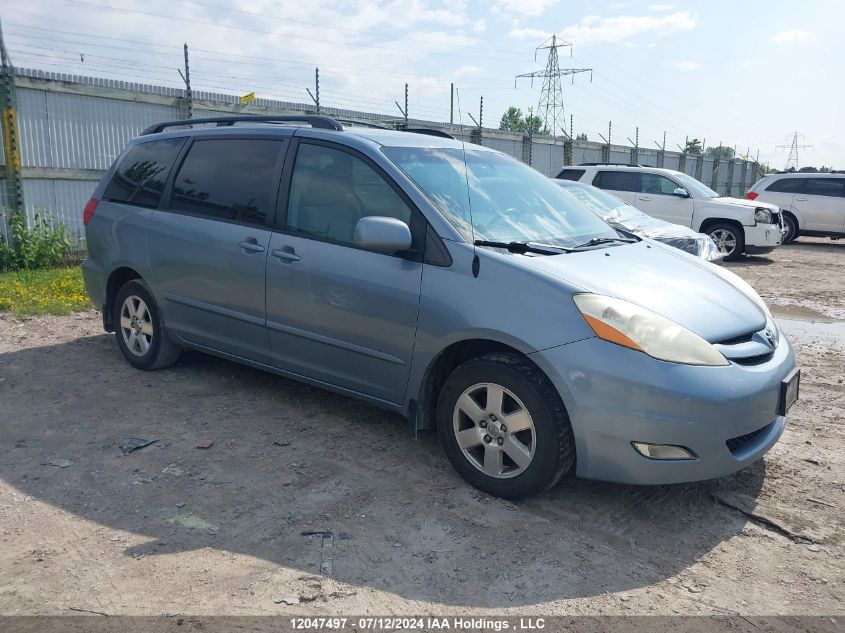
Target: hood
(678,286)
(743,202)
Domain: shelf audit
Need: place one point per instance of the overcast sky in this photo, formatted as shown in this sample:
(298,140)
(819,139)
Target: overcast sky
(744,73)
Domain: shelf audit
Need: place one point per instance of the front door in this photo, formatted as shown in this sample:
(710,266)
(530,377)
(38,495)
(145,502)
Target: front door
(208,245)
(656,198)
(337,313)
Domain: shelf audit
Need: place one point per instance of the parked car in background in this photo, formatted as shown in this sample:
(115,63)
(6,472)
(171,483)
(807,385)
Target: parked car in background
(622,215)
(444,281)
(811,203)
(736,225)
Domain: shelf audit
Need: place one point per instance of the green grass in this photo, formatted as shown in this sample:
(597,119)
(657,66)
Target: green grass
(53,291)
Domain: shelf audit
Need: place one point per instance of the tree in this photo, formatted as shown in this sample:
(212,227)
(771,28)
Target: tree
(515,121)
(512,120)
(534,124)
(581,136)
(722,151)
(693,147)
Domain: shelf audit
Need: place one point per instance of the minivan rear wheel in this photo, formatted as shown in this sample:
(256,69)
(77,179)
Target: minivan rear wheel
(504,427)
(139,328)
(729,239)
(791,228)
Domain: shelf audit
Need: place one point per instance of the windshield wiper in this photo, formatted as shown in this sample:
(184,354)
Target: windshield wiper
(604,240)
(526,247)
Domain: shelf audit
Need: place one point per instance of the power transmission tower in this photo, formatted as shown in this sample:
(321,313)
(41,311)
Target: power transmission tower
(550,108)
(794,146)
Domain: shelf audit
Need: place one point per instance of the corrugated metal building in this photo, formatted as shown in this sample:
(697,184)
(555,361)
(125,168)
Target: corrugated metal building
(72,128)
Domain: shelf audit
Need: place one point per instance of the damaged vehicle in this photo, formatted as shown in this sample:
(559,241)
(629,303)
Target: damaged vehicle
(623,216)
(738,226)
(446,282)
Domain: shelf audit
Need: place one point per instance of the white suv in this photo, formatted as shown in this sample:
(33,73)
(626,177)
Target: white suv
(812,203)
(736,225)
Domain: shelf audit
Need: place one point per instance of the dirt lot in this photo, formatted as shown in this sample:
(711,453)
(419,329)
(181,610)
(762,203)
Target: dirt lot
(171,528)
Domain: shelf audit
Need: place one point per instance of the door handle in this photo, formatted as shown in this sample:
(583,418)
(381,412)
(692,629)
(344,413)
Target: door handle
(251,245)
(643,198)
(801,199)
(285,254)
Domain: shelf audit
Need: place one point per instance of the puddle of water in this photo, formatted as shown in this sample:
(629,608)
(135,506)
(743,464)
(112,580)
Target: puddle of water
(800,329)
(794,312)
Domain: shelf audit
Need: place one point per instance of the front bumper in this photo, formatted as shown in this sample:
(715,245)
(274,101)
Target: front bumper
(616,396)
(762,238)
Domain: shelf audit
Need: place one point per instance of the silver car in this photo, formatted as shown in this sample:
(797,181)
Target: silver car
(621,215)
(444,281)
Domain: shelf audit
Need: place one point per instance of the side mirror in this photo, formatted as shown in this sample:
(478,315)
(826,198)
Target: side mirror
(382,234)
(681,192)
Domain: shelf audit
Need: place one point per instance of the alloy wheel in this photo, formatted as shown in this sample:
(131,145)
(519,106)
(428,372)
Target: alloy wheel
(725,241)
(494,430)
(136,325)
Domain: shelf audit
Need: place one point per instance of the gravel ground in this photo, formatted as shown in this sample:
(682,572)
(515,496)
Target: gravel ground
(172,528)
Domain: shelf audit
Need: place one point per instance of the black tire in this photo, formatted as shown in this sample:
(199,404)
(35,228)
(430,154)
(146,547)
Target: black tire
(715,231)
(791,225)
(160,351)
(553,442)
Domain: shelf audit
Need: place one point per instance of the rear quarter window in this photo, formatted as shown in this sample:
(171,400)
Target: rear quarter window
(617,180)
(140,177)
(571,174)
(831,187)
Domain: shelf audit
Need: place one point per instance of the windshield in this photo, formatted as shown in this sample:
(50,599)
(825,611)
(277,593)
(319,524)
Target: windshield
(497,198)
(694,185)
(597,200)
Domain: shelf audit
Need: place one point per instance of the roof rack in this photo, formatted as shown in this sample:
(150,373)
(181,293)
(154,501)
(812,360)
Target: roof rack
(428,131)
(614,164)
(321,122)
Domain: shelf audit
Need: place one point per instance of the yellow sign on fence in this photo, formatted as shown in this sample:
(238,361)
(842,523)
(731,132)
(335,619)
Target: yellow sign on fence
(10,134)
(248,98)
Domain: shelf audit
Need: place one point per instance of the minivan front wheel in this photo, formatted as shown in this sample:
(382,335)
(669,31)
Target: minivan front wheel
(139,330)
(504,427)
(729,239)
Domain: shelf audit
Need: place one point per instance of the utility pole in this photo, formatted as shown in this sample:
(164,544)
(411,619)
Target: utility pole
(11,147)
(315,97)
(186,77)
(661,155)
(682,161)
(550,108)
(794,146)
(481,112)
(405,111)
(452,102)
(605,150)
(635,151)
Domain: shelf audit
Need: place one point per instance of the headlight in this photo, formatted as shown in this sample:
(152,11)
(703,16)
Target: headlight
(763,216)
(639,329)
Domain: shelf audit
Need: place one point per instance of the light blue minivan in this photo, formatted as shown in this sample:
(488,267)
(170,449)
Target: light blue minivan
(445,281)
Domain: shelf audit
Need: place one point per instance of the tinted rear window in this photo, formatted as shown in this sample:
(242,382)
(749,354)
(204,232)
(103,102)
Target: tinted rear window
(571,174)
(228,179)
(787,185)
(140,178)
(617,180)
(832,187)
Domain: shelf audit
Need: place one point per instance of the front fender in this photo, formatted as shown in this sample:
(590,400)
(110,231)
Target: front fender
(704,211)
